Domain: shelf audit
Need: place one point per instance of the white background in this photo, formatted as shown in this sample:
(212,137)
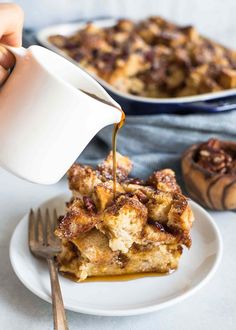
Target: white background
(215,18)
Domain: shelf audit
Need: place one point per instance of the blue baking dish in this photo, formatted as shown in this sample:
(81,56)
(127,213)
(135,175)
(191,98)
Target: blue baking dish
(136,105)
(208,103)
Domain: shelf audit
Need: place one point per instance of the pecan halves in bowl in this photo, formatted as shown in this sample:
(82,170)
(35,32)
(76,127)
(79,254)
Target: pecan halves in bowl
(209,172)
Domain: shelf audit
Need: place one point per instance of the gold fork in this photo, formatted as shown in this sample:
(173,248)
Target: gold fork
(44,244)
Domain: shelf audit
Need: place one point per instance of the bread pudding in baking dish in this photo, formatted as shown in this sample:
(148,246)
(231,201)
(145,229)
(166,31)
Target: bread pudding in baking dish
(151,58)
(142,229)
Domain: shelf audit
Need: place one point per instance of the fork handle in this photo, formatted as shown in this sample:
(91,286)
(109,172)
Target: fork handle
(59,315)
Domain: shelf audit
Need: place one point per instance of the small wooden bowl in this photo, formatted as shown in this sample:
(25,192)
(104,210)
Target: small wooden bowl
(215,191)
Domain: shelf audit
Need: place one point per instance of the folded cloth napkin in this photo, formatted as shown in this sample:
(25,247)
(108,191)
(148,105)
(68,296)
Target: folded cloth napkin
(156,141)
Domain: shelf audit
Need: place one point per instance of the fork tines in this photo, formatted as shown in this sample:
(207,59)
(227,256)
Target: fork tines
(41,233)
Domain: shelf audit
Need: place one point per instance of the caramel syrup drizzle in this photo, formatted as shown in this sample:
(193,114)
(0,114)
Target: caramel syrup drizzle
(117,127)
(117,278)
(114,136)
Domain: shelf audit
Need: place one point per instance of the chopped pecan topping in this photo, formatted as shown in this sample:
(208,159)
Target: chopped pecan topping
(156,224)
(212,156)
(143,198)
(89,204)
(152,58)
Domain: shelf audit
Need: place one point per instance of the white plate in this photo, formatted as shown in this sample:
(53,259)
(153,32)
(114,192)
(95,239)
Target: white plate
(129,297)
(70,28)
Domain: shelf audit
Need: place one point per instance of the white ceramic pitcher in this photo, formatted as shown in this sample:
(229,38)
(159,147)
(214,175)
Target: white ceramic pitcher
(45,119)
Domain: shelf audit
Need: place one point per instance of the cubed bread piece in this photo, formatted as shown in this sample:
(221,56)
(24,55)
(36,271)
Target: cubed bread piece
(77,220)
(93,246)
(136,188)
(104,194)
(125,25)
(191,33)
(227,78)
(123,222)
(149,31)
(180,216)
(173,211)
(68,252)
(58,41)
(171,38)
(209,85)
(175,77)
(164,180)
(154,233)
(124,166)
(83,179)
(133,65)
(159,206)
(139,259)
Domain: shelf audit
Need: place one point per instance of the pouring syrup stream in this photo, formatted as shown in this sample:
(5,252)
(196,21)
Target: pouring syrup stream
(117,127)
(114,139)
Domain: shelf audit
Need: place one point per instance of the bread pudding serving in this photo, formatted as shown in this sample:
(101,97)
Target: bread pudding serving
(151,58)
(142,229)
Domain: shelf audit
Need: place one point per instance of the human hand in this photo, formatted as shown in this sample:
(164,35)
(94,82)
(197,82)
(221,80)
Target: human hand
(11,24)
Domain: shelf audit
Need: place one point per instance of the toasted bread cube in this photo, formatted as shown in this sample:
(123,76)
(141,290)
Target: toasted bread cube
(173,211)
(228,78)
(172,38)
(77,220)
(67,252)
(196,76)
(58,40)
(123,222)
(104,194)
(133,65)
(209,85)
(176,78)
(93,246)
(191,33)
(164,180)
(83,179)
(152,234)
(159,206)
(125,25)
(124,166)
(187,91)
(148,31)
(180,216)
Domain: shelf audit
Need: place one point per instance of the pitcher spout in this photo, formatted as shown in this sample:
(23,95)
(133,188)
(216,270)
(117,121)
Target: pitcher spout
(105,111)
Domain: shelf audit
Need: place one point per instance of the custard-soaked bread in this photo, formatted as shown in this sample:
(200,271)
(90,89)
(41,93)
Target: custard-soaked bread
(164,180)
(103,194)
(83,179)
(123,222)
(86,181)
(80,218)
(172,210)
(142,229)
(92,256)
(151,58)
(124,166)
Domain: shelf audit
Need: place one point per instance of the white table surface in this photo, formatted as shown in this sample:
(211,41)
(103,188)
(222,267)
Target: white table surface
(213,307)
